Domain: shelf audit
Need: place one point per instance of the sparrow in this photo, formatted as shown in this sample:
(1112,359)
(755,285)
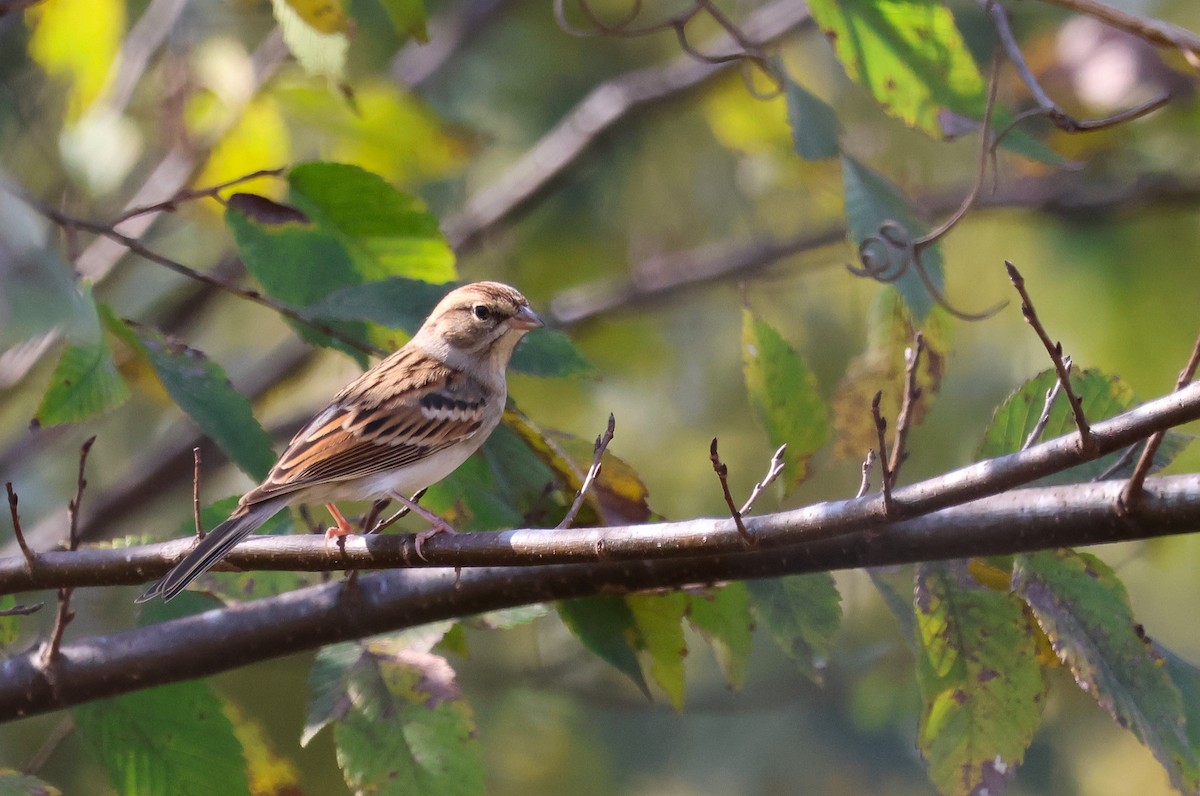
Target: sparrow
(401,426)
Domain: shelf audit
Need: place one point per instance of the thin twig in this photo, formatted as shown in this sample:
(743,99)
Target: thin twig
(22,610)
(80,485)
(196,492)
(211,192)
(912,394)
(403,511)
(30,558)
(64,615)
(722,472)
(1133,488)
(1157,32)
(1127,456)
(1086,442)
(881,433)
(593,471)
(62,618)
(986,147)
(367,522)
(868,461)
(137,247)
(1048,107)
(773,471)
(1051,396)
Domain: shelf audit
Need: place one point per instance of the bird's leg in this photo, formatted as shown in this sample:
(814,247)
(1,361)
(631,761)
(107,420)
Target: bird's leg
(343,528)
(439,525)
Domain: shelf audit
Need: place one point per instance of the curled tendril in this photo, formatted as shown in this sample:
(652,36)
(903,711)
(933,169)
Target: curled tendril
(887,255)
(747,53)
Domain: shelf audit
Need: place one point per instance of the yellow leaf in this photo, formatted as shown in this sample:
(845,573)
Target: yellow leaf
(324,16)
(270,774)
(77,40)
(258,140)
(394,134)
(321,52)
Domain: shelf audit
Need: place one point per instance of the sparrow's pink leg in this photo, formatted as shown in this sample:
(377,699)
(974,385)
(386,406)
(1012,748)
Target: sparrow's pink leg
(343,528)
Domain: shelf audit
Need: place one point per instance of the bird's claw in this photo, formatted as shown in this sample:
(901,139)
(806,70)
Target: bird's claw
(424,536)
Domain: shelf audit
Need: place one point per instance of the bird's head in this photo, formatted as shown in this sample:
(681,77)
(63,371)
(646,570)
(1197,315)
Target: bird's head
(477,326)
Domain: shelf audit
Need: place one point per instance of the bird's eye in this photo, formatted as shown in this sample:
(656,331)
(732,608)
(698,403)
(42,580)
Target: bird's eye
(482,312)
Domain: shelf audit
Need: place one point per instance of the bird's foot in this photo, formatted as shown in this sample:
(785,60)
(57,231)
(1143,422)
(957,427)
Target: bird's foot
(439,526)
(339,531)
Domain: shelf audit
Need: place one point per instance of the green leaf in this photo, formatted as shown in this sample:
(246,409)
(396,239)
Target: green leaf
(349,228)
(201,389)
(172,740)
(1083,609)
(549,353)
(659,622)
(14,783)
(881,368)
(408,17)
(328,680)
(802,614)
(980,679)
(605,625)
(40,295)
(402,725)
(814,124)
(1186,676)
(85,383)
(396,302)
(784,395)
(722,616)
(908,53)
(387,233)
(1101,395)
(871,201)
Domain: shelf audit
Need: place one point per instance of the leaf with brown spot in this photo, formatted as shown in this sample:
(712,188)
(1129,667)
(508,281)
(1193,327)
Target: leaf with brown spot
(980,681)
(1083,608)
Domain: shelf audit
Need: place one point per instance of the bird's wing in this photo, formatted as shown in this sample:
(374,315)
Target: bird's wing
(403,410)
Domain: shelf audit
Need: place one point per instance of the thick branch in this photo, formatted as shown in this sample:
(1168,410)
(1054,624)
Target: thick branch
(228,638)
(640,542)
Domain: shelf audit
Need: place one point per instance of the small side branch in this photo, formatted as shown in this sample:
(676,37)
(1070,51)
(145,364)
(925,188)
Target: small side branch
(722,471)
(590,478)
(868,462)
(773,471)
(211,192)
(1087,442)
(30,559)
(881,433)
(196,493)
(912,394)
(22,610)
(1133,487)
(1045,105)
(1051,396)
(63,617)
(80,485)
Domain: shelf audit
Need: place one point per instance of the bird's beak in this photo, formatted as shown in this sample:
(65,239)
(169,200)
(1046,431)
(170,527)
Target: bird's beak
(525,319)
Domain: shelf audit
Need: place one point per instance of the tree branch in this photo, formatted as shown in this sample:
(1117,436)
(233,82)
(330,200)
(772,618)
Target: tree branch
(228,638)
(1157,32)
(529,547)
(608,103)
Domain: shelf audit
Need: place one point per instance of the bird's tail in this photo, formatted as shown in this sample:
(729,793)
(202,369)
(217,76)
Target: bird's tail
(213,547)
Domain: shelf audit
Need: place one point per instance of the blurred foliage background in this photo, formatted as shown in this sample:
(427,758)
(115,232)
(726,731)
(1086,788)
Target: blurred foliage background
(99,98)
